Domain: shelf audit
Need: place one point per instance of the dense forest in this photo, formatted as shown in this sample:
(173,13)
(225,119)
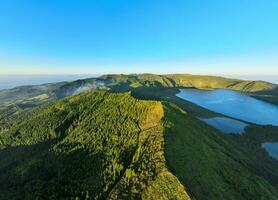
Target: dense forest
(92,146)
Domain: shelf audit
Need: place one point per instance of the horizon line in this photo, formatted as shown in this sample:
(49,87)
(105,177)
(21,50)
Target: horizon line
(246,77)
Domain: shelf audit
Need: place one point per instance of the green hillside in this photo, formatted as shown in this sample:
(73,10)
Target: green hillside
(218,166)
(103,145)
(267,95)
(96,145)
(33,94)
(213,82)
(25,97)
(187,80)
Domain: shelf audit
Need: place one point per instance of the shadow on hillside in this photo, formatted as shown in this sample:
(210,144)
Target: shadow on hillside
(153,93)
(37,172)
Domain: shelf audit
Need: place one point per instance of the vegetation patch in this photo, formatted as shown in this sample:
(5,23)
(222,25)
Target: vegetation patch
(217,166)
(95,145)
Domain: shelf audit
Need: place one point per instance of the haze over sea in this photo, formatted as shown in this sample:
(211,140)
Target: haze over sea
(11,81)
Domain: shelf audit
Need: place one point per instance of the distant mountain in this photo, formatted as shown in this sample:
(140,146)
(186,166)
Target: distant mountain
(12,101)
(129,82)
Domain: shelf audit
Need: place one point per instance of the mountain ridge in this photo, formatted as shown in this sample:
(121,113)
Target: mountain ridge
(62,89)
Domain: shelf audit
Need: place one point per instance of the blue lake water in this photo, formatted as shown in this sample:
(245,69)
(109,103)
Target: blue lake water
(272,149)
(226,125)
(233,104)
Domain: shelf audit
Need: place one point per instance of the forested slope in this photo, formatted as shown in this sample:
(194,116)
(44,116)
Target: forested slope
(217,166)
(96,145)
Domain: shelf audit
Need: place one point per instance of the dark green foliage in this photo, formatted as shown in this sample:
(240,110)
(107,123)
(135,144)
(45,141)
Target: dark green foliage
(91,146)
(6,116)
(268,95)
(169,95)
(217,166)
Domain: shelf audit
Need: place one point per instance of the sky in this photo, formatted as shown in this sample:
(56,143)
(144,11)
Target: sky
(233,37)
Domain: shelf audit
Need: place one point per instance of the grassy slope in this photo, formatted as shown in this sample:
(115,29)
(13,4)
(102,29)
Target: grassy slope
(208,82)
(14,101)
(268,95)
(187,80)
(259,89)
(20,94)
(216,166)
(91,146)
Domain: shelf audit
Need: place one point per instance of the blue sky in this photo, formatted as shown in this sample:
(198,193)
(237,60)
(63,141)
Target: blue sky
(123,36)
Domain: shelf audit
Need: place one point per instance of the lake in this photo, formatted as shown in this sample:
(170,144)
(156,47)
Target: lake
(234,104)
(226,125)
(271,148)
